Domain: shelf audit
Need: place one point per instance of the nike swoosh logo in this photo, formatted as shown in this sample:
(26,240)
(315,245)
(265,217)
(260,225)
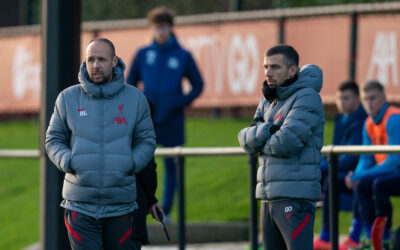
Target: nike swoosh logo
(79,110)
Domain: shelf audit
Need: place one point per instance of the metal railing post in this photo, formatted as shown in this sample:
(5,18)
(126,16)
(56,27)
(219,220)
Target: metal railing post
(353,45)
(253,232)
(333,200)
(331,151)
(281,34)
(180,162)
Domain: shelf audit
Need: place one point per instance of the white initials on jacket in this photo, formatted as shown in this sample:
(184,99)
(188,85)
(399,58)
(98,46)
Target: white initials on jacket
(82,113)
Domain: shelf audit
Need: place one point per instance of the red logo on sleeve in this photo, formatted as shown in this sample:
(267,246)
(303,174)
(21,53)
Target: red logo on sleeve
(279,118)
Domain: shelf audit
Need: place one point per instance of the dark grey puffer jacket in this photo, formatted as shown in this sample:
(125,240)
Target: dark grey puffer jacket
(289,158)
(100,135)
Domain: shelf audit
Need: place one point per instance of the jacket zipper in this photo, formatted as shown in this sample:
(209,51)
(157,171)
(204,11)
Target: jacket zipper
(102,121)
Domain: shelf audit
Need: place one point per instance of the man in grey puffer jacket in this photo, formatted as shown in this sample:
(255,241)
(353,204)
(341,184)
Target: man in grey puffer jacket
(287,132)
(100,135)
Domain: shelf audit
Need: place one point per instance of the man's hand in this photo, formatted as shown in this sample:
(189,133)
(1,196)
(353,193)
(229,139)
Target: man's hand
(256,120)
(349,182)
(153,211)
(274,128)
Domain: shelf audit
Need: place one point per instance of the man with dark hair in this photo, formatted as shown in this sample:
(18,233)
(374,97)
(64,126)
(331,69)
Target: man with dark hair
(347,131)
(161,15)
(377,176)
(291,58)
(100,135)
(158,69)
(287,132)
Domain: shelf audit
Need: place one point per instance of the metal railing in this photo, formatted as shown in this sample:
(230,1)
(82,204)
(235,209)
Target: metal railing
(180,152)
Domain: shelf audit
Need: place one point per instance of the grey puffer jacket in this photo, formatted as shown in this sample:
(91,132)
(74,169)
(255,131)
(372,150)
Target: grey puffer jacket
(100,135)
(289,158)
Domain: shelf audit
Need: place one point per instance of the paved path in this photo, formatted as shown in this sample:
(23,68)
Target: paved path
(209,246)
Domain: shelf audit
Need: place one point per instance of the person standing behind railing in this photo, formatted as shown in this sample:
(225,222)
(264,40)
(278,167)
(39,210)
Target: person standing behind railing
(287,132)
(160,67)
(347,131)
(146,185)
(377,176)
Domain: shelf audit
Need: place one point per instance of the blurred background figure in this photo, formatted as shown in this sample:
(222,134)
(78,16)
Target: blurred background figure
(348,131)
(377,176)
(160,67)
(146,185)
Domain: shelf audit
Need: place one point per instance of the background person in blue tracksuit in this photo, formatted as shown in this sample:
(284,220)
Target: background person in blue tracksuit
(160,68)
(348,131)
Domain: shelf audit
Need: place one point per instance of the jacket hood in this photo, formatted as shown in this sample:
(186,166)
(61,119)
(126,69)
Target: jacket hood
(309,76)
(172,42)
(105,90)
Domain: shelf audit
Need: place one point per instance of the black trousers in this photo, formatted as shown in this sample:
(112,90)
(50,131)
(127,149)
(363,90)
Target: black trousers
(373,195)
(85,232)
(287,224)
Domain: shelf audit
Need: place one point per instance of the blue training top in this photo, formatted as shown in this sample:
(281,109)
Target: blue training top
(161,69)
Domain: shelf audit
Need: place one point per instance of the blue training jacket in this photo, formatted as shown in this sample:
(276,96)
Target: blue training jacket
(347,132)
(161,69)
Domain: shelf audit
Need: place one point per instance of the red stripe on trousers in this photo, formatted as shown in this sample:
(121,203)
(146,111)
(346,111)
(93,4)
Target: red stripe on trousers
(289,215)
(126,235)
(71,231)
(300,227)
(74,213)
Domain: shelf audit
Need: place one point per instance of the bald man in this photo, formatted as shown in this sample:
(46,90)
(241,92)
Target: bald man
(100,135)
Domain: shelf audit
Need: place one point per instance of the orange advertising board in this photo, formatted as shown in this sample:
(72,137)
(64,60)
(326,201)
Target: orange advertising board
(229,56)
(324,41)
(379,52)
(20,70)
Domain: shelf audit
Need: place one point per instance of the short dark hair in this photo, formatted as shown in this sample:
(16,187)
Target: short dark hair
(160,15)
(373,84)
(349,85)
(291,57)
(106,41)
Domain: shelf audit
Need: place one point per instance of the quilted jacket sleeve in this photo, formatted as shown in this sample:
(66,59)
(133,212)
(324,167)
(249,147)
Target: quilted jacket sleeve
(305,115)
(191,72)
(253,138)
(134,72)
(58,137)
(144,139)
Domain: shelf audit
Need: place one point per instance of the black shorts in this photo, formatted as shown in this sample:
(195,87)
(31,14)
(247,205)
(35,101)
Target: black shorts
(85,232)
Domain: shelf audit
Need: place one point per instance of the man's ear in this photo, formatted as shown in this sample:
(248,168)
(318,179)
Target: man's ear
(293,71)
(115,61)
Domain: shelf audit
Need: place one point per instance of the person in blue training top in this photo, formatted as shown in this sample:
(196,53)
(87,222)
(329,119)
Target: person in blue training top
(159,69)
(377,176)
(347,131)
